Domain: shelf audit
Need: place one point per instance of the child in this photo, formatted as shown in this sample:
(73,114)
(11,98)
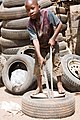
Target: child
(42,34)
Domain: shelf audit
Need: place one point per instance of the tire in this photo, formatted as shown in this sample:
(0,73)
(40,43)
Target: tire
(12,3)
(6,56)
(61,10)
(62,45)
(64,28)
(14,34)
(48,108)
(60,38)
(23,62)
(13,43)
(16,24)
(2,64)
(44,4)
(71,68)
(77,47)
(63,18)
(10,51)
(13,13)
(28,50)
(65,52)
(0,27)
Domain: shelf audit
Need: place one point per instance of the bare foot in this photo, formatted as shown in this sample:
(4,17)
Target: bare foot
(60,88)
(37,91)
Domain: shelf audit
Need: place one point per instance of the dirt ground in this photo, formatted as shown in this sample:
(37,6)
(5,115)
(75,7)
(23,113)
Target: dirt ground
(4,115)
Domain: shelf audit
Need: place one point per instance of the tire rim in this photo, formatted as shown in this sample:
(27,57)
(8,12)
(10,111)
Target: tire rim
(74,67)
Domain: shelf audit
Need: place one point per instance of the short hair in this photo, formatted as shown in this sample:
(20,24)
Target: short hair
(26,1)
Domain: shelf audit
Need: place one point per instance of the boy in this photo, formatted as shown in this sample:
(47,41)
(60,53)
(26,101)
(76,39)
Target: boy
(42,34)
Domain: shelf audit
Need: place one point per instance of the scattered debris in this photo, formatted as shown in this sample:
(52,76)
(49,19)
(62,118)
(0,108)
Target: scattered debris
(11,107)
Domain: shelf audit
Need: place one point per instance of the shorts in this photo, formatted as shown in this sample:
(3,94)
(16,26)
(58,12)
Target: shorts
(57,68)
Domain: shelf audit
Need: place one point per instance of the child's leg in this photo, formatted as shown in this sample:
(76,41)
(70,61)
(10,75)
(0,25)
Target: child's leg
(39,83)
(57,68)
(38,73)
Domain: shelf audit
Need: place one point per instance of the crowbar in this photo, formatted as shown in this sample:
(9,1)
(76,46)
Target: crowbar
(51,71)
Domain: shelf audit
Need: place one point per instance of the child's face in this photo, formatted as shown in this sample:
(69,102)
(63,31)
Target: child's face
(32,9)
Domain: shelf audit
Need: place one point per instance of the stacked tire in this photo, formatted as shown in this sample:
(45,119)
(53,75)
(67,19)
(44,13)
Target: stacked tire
(61,12)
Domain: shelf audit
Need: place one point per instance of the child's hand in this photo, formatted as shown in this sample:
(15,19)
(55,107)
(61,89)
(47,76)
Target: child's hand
(51,42)
(41,61)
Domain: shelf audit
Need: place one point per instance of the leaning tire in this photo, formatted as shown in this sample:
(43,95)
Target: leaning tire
(28,50)
(71,69)
(48,108)
(23,62)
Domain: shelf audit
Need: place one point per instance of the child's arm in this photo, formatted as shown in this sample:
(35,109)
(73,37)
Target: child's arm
(53,38)
(37,48)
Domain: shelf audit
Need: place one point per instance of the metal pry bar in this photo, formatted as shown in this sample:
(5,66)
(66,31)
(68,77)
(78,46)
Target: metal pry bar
(51,71)
(47,85)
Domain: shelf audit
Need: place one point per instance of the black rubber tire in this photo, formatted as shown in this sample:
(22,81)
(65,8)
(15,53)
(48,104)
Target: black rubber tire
(45,3)
(16,24)
(48,108)
(13,13)
(65,52)
(28,50)
(63,18)
(0,28)
(70,81)
(10,51)
(13,43)
(12,3)
(61,38)
(14,34)
(6,56)
(24,62)
(64,28)
(2,64)
(62,45)
(61,10)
